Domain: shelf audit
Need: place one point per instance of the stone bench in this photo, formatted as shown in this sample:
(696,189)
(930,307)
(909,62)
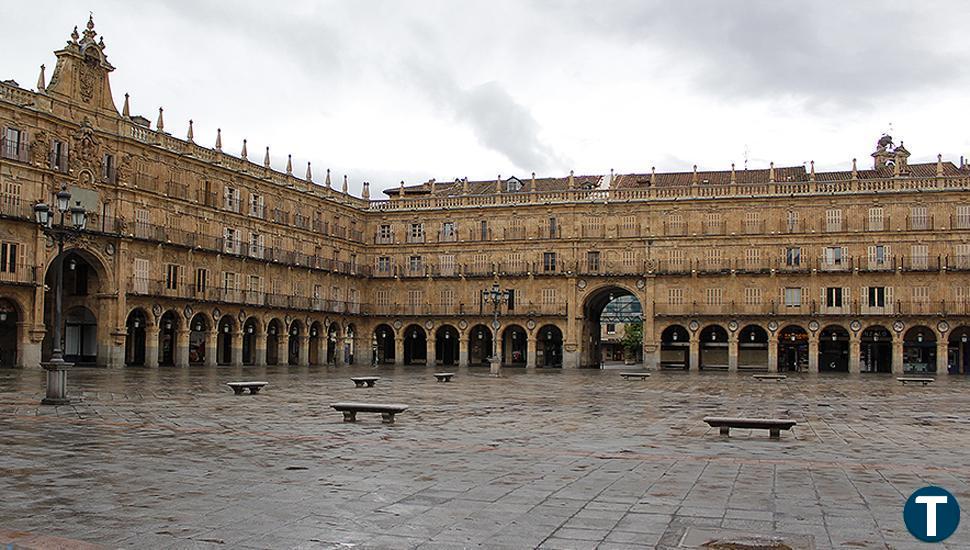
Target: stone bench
(773,425)
(387,411)
(253,387)
(359,381)
(444,376)
(916,380)
(760,377)
(640,375)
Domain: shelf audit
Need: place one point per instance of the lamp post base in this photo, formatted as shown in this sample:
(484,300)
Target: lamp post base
(495,367)
(56,382)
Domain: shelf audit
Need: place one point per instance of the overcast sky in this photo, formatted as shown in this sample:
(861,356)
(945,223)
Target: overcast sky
(391,90)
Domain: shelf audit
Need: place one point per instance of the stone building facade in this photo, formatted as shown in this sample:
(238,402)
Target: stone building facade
(194,256)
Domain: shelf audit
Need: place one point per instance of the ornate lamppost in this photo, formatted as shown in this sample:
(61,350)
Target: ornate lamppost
(496,297)
(61,232)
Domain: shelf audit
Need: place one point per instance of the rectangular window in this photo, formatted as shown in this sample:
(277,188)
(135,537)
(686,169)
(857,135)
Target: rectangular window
(921,294)
(833,220)
(515,263)
(172,276)
(231,199)
(833,256)
(256,284)
(713,257)
(140,271)
(752,258)
(878,256)
(752,296)
(510,304)
(14,144)
(553,228)
(10,192)
(8,257)
(415,298)
(713,224)
(833,297)
(676,258)
(714,297)
(877,296)
(417,232)
(919,219)
(383,297)
(593,261)
(611,328)
(752,222)
(791,221)
(675,296)
(963,217)
(875,221)
(229,281)
(108,168)
(549,296)
(962,254)
(257,206)
(414,264)
(201,279)
(230,241)
(384,264)
(447,299)
(484,230)
(446,264)
(384,234)
(549,261)
(793,297)
(448,231)
(58,156)
(920,256)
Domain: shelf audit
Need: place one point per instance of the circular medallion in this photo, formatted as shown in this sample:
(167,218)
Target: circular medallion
(496,324)
(287,319)
(397,324)
(855,326)
(242,315)
(772,325)
(462,324)
(157,310)
(216,314)
(530,324)
(813,326)
(581,284)
(733,326)
(693,326)
(109,249)
(187,311)
(429,325)
(898,326)
(641,283)
(943,326)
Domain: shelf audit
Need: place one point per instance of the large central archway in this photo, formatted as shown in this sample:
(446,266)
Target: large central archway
(608,305)
(83,279)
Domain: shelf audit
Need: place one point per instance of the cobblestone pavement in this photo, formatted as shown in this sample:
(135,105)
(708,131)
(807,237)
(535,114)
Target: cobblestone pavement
(170,458)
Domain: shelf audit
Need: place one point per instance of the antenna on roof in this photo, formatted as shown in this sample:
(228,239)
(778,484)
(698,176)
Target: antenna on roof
(746,151)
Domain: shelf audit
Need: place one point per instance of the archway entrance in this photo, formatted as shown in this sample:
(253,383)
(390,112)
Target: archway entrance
(514,346)
(479,346)
(792,349)
(135,338)
(313,345)
(753,348)
(296,339)
(607,307)
(415,346)
(919,350)
(273,331)
(81,283)
(958,351)
(383,345)
(167,326)
(675,348)
(833,349)
(714,348)
(333,343)
(876,350)
(8,333)
(549,347)
(224,336)
(446,346)
(250,333)
(198,336)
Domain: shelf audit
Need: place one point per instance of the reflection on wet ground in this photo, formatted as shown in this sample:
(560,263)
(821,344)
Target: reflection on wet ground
(170,458)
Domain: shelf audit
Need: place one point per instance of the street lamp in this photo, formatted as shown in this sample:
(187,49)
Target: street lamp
(61,232)
(496,297)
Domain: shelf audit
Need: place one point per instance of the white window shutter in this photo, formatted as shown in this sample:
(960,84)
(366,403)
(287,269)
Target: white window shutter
(872,255)
(846,297)
(889,298)
(865,296)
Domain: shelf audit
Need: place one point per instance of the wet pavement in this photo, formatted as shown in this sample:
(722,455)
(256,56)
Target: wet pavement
(170,458)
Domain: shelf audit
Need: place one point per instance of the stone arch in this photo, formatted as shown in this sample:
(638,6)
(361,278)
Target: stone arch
(252,329)
(296,332)
(549,341)
(958,350)
(479,345)
(85,274)
(274,335)
(597,300)
(225,338)
(415,345)
(515,343)
(383,344)
(833,349)
(919,350)
(876,349)
(136,337)
(200,329)
(714,347)
(334,338)
(753,347)
(169,324)
(446,345)
(12,332)
(792,348)
(675,347)
(315,337)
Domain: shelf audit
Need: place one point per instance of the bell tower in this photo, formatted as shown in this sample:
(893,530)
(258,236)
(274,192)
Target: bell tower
(81,74)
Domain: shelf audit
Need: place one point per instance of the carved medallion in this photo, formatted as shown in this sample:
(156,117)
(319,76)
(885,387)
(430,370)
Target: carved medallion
(813,326)
(855,326)
(943,326)
(772,325)
(898,326)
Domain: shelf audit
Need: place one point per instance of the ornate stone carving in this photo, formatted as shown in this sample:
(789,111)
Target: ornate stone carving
(86,147)
(39,149)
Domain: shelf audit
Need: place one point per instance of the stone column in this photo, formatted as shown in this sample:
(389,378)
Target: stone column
(732,351)
(283,348)
(259,349)
(151,345)
(530,351)
(211,348)
(855,352)
(772,352)
(307,347)
(236,350)
(463,351)
(399,350)
(898,354)
(813,352)
(430,359)
(695,352)
(942,350)
(182,347)
(28,351)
